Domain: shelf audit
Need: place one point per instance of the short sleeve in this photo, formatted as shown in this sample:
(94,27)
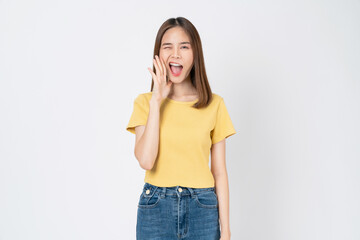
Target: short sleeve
(223,125)
(139,115)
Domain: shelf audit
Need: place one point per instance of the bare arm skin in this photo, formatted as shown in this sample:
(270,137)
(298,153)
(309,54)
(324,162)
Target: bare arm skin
(147,136)
(218,169)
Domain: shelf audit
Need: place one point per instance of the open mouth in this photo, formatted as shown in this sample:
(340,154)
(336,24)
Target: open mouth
(176,69)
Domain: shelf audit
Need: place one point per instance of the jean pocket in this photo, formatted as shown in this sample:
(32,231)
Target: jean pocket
(148,199)
(207,199)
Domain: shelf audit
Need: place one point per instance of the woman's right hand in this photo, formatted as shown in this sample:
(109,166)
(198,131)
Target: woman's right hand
(161,88)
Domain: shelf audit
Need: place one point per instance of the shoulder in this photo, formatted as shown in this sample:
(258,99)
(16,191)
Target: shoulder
(216,99)
(147,95)
(143,97)
(218,103)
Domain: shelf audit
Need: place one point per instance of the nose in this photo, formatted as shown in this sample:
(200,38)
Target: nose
(175,53)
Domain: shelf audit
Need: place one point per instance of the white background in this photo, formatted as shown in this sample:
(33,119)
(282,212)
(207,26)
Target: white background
(289,75)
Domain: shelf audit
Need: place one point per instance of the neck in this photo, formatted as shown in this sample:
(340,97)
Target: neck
(183,89)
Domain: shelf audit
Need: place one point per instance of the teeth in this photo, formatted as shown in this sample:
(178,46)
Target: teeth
(175,64)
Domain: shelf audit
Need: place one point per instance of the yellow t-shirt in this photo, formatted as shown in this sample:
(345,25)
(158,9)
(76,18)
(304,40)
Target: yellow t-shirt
(185,138)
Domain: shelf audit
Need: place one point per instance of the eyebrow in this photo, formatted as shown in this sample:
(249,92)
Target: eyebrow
(171,43)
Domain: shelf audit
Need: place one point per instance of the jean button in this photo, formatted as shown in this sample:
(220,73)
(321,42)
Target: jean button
(147,191)
(180,189)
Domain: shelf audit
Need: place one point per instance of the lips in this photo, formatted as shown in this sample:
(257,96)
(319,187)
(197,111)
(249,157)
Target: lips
(175,63)
(175,70)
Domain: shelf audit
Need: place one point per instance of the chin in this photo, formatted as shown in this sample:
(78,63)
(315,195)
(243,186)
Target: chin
(176,80)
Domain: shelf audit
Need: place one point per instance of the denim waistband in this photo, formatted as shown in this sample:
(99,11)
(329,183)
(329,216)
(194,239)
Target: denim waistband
(174,191)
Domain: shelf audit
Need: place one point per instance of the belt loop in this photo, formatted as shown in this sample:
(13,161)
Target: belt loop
(192,192)
(163,192)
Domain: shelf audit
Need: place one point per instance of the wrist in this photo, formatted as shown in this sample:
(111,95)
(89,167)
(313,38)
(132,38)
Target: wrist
(155,102)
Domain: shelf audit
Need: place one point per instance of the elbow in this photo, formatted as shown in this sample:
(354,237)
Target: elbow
(145,163)
(219,174)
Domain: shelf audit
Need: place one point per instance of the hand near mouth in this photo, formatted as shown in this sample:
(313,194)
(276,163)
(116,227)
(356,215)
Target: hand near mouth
(161,87)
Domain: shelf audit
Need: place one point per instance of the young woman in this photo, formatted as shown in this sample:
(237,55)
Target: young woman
(177,124)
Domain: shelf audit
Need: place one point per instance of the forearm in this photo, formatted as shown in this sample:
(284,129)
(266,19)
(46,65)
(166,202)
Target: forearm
(147,148)
(222,191)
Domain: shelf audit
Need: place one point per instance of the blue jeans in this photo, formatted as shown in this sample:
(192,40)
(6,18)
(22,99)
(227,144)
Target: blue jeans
(166,213)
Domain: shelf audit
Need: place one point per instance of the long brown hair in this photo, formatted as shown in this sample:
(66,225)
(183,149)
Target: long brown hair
(197,74)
